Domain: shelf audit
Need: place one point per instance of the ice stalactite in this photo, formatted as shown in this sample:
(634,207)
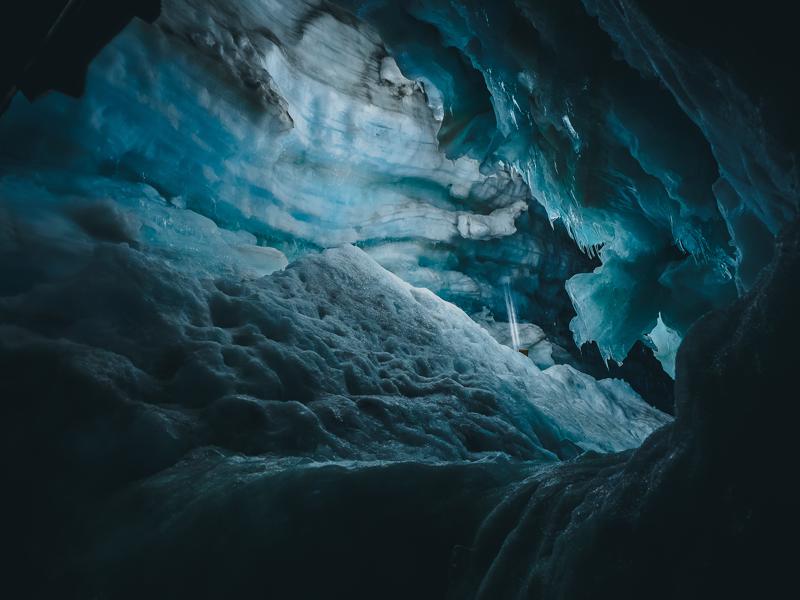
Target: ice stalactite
(619,139)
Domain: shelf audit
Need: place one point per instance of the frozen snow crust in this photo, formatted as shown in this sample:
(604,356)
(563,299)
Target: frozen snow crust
(220,523)
(334,358)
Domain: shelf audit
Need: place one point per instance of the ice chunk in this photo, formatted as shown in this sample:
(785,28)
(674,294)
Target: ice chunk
(499,223)
(666,341)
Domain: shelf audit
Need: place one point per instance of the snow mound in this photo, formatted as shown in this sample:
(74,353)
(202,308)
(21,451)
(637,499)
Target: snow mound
(334,358)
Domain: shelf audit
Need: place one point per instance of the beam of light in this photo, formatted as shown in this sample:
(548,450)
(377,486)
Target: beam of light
(512,318)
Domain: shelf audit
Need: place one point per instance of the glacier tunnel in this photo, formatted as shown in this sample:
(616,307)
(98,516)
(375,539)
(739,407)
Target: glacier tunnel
(447,299)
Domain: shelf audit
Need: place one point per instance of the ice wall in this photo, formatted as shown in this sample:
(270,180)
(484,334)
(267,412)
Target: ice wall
(290,121)
(627,139)
(443,138)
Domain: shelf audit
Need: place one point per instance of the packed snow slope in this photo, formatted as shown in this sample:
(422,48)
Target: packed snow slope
(333,358)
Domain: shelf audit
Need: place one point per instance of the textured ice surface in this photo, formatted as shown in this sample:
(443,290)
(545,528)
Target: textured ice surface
(292,122)
(431,134)
(332,358)
(168,392)
(629,141)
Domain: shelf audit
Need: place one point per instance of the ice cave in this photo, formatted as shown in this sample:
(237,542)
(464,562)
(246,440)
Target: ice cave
(414,299)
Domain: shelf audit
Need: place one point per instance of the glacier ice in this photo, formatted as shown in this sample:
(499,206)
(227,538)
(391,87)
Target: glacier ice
(390,127)
(150,369)
(666,341)
(221,371)
(618,144)
(293,123)
(332,357)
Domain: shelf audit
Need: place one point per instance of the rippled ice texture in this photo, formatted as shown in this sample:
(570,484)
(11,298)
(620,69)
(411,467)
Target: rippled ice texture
(332,358)
(308,127)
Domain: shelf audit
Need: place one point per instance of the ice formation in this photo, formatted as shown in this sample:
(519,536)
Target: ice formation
(666,342)
(617,140)
(335,352)
(153,370)
(262,288)
(309,126)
